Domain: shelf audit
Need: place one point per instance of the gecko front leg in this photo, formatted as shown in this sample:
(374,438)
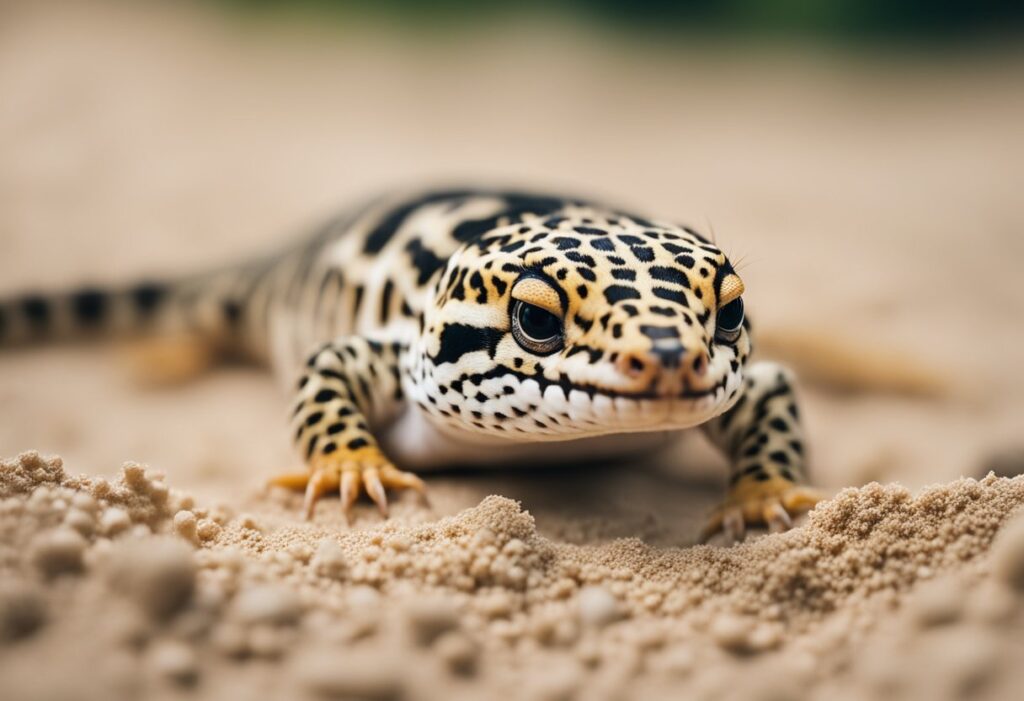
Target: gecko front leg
(347,384)
(762,437)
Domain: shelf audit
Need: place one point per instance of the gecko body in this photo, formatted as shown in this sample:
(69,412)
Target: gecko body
(473,326)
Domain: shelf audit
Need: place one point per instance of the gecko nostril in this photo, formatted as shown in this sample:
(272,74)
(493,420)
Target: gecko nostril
(632,364)
(700,365)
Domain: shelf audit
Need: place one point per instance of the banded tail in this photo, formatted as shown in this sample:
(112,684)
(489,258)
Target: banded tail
(208,306)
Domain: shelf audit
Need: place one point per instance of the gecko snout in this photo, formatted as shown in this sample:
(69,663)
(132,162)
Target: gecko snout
(666,363)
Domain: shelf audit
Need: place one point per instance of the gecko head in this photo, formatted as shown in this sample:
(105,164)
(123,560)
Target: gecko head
(583,324)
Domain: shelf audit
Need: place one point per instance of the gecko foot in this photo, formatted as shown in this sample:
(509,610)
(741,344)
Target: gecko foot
(770,503)
(350,473)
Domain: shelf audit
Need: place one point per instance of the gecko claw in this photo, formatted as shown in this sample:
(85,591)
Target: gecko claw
(371,479)
(349,492)
(777,518)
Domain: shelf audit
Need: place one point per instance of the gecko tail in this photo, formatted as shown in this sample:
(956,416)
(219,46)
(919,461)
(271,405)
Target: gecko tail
(201,305)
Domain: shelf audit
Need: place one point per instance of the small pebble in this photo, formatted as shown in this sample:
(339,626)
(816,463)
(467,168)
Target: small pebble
(175,662)
(329,560)
(185,523)
(22,609)
(430,617)
(267,604)
(81,521)
(458,653)
(158,573)
(597,607)
(731,632)
(85,502)
(114,521)
(363,597)
(59,551)
(207,529)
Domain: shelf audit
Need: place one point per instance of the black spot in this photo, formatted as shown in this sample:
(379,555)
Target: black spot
(335,428)
(459,339)
(232,312)
(676,296)
(632,240)
(577,257)
(643,253)
(89,307)
(589,231)
(357,443)
(329,448)
(685,261)
(603,244)
(325,395)
(476,281)
(314,418)
(146,297)
(780,457)
(564,242)
(424,260)
(674,248)
(36,310)
(618,293)
(673,275)
(624,274)
(586,274)
(779,424)
(582,291)
(663,311)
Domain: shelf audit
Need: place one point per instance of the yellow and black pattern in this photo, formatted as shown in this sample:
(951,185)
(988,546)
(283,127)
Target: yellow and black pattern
(452,321)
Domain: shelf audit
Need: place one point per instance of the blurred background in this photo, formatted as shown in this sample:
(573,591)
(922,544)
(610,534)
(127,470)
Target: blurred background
(862,159)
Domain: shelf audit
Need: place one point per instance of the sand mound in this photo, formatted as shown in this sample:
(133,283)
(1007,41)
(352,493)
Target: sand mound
(137,589)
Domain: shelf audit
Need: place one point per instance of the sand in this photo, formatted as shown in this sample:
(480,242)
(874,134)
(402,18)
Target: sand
(873,204)
(138,589)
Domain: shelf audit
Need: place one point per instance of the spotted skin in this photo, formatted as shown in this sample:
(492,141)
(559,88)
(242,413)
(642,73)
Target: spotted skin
(462,326)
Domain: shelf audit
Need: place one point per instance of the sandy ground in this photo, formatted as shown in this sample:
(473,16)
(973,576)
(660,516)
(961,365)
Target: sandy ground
(873,199)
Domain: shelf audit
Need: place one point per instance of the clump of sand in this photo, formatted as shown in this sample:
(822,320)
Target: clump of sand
(140,591)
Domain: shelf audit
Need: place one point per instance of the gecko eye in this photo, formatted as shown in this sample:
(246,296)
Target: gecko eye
(729,321)
(535,329)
